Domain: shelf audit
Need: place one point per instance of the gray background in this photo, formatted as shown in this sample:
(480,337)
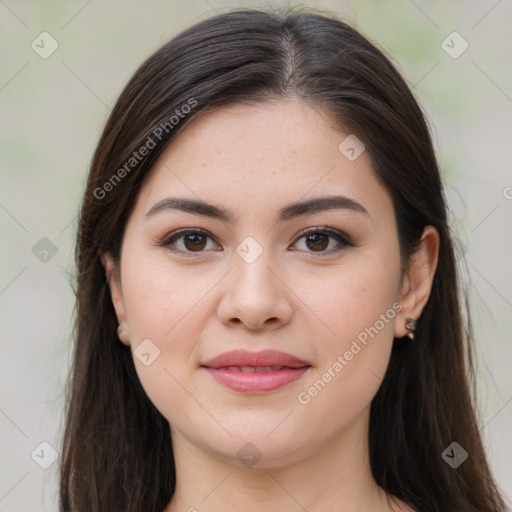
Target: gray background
(53,109)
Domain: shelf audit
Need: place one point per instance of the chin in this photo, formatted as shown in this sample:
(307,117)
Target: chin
(256,449)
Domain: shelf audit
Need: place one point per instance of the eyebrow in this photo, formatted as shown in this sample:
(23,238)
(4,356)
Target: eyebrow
(199,207)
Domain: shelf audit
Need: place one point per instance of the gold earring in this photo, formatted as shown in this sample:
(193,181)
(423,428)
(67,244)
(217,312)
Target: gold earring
(410,325)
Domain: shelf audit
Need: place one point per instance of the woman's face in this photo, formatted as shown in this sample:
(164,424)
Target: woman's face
(251,280)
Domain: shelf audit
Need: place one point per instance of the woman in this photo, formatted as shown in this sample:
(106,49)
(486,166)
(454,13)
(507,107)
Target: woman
(267,307)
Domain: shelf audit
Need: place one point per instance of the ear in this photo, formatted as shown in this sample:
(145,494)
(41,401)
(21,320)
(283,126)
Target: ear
(417,283)
(114,282)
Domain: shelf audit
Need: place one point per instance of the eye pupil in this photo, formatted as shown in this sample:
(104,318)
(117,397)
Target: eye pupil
(198,241)
(317,238)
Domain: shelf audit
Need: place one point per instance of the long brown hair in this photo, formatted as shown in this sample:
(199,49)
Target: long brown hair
(116,448)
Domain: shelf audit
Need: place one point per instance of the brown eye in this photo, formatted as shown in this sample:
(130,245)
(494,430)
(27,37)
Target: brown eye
(317,240)
(194,242)
(188,241)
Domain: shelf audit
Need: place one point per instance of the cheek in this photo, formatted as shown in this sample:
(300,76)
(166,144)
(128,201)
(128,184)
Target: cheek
(360,307)
(163,307)
(162,301)
(352,297)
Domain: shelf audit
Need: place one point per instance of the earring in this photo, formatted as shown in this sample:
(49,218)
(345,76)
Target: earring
(123,335)
(410,325)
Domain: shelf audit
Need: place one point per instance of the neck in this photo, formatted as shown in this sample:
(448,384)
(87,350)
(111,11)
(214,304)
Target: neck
(335,477)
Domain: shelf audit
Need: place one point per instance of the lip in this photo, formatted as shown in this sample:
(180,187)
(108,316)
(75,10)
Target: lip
(262,358)
(255,372)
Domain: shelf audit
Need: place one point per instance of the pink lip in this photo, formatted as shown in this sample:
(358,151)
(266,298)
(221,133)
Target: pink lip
(262,358)
(255,382)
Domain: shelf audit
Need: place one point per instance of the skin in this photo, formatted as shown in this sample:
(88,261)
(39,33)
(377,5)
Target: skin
(294,297)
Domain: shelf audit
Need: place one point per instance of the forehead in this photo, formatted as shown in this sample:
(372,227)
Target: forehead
(259,155)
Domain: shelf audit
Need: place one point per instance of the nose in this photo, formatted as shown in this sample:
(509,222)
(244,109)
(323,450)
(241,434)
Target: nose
(255,295)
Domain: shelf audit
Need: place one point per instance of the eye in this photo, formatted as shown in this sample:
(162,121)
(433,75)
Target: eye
(318,240)
(189,241)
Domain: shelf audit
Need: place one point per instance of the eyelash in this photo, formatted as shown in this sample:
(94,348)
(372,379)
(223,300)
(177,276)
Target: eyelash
(341,238)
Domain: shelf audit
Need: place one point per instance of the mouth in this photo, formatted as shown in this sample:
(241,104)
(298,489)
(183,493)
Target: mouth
(255,372)
(253,369)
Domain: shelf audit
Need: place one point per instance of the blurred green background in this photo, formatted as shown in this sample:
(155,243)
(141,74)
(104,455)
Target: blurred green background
(53,107)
